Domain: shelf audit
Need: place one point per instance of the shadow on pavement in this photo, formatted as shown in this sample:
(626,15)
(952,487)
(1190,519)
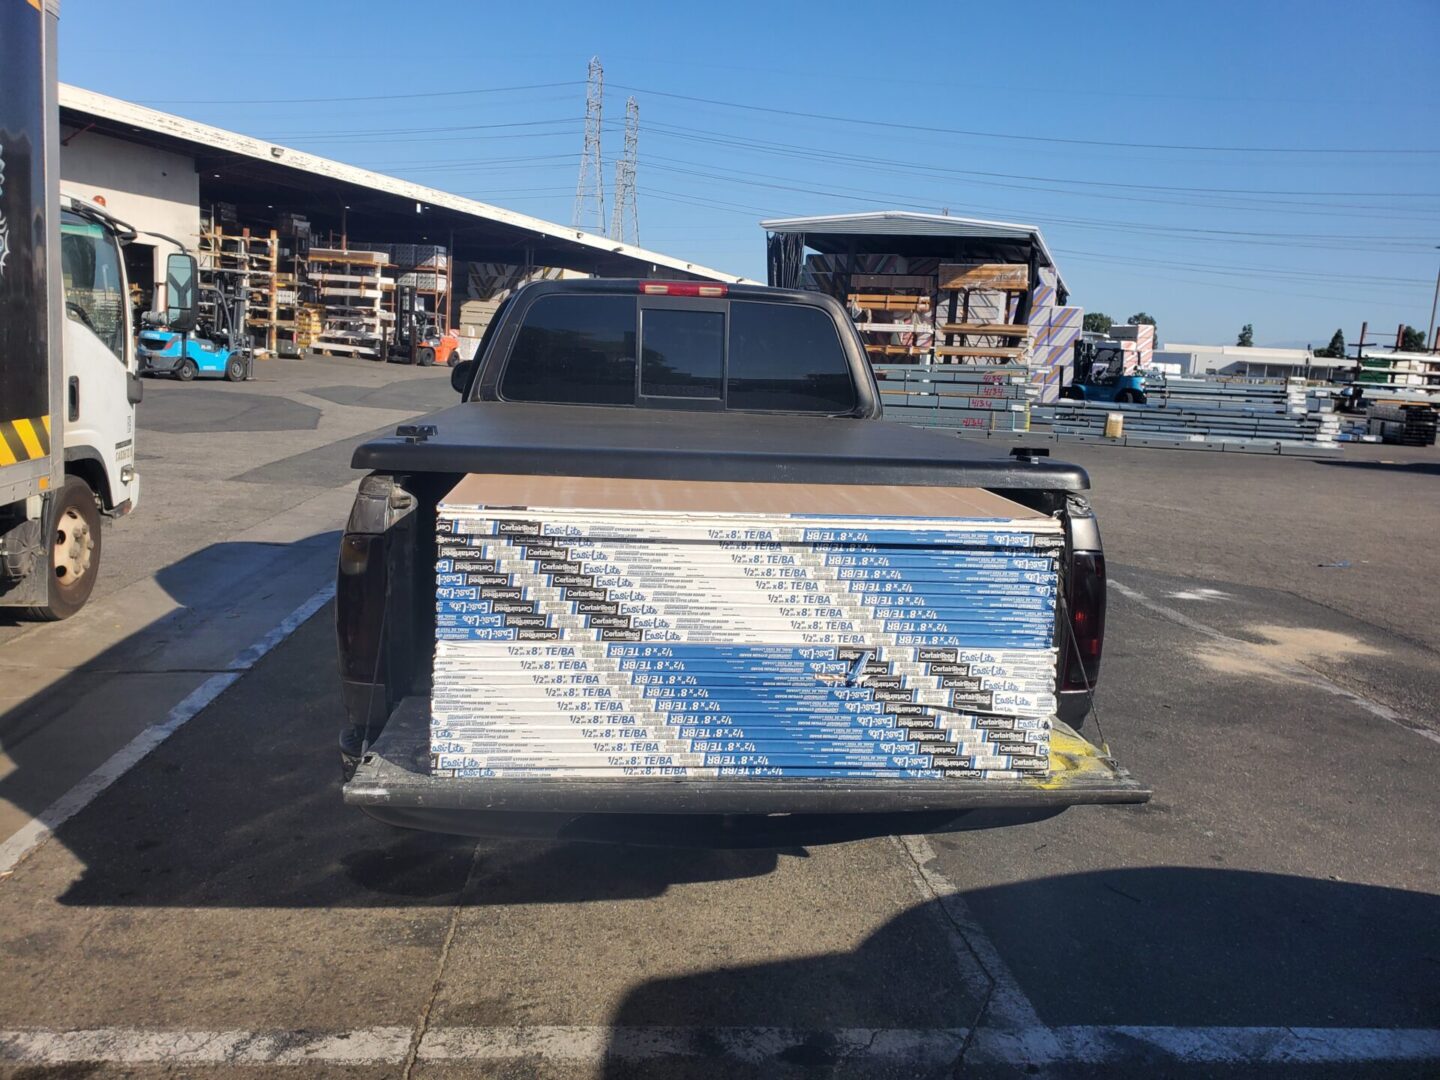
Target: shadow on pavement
(241,808)
(1408,468)
(97,698)
(1159,946)
(185,409)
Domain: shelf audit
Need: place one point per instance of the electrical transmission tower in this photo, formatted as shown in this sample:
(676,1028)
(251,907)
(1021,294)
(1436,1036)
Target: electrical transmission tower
(625,211)
(590,191)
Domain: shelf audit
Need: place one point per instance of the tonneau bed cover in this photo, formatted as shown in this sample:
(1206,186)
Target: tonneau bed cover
(587,440)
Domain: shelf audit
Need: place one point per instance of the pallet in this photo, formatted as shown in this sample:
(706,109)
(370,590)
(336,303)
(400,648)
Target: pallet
(968,350)
(898,350)
(995,329)
(995,277)
(885,302)
(892,281)
(335,255)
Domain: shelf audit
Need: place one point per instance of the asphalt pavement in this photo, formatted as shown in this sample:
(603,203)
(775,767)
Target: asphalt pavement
(1273,911)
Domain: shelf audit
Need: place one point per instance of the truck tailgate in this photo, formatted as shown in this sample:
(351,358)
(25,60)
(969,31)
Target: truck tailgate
(393,780)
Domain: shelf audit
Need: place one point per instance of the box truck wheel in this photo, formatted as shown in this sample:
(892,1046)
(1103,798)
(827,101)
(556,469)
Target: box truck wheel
(74,558)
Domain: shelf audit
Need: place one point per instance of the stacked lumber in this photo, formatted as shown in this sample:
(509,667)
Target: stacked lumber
(353,289)
(630,628)
(1400,371)
(246,265)
(965,311)
(981,299)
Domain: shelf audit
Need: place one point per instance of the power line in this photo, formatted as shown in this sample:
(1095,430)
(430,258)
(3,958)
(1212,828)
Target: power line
(892,125)
(791,149)
(333,134)
(1269,272)
(1191,203)
(347,98)
(1232,235)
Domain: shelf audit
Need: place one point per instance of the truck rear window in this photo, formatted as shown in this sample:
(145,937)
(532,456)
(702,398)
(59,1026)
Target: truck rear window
(574,350)
(682,353)
(787,358)
(742,354)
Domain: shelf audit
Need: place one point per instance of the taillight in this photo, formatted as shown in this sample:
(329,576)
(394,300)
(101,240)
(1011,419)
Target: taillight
(682,288)
(360,606)
(1085,601)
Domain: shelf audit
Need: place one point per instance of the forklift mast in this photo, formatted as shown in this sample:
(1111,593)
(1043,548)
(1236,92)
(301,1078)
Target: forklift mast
(407,319)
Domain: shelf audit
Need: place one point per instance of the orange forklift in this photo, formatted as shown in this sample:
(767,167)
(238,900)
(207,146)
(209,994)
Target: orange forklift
(417,338)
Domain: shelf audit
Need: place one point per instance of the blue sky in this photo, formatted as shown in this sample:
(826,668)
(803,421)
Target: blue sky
(1224,203)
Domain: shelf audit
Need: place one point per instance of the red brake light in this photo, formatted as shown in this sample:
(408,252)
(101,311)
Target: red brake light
(1085,599)
(682,288)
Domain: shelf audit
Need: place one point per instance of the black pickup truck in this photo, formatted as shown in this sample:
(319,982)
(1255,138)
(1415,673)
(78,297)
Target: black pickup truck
(640,379)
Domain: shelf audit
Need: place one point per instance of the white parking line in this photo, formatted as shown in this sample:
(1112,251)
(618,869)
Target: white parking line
(39,828)
(1082,1045)
(136,1046)
(1006,1004)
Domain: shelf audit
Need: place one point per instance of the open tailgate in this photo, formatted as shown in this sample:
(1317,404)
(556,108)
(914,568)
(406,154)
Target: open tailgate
(393,780)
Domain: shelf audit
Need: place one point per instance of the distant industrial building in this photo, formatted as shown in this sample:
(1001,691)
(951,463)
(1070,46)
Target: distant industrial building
(1252,363)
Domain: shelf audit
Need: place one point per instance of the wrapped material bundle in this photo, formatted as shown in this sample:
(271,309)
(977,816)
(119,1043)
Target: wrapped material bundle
(594,627)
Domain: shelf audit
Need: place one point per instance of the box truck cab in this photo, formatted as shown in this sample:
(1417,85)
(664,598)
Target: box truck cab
(102,386)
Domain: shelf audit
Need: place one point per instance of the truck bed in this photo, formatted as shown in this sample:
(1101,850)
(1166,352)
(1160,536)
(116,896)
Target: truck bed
(393,783)
(630,443)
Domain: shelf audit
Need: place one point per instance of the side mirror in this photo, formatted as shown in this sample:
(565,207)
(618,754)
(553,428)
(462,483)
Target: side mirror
(180,290)
(460,375)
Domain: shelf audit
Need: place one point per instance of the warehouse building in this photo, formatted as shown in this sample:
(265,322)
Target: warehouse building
(316,250)
(1254,363)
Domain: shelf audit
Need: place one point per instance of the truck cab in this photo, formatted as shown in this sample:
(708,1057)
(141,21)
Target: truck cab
(102,383)
(68,380)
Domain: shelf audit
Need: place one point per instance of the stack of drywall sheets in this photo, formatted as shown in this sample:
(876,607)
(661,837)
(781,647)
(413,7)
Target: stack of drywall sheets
(592,627)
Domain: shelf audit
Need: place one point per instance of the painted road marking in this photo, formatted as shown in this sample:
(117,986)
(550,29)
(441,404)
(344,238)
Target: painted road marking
(1081,1045)
(1309,675)
(38,829)
(1006,1005)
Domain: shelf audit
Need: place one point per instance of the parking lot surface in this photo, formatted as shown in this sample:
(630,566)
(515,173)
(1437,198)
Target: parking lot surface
(216,911)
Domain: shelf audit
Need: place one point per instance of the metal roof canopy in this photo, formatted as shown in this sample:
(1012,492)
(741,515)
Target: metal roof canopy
(904,232)
(264,179)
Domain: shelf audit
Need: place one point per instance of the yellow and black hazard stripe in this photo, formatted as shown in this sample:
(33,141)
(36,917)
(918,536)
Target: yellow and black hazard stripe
(24,440)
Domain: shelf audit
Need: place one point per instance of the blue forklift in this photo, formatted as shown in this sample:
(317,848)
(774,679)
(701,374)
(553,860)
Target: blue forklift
(1100,375)
(216,348)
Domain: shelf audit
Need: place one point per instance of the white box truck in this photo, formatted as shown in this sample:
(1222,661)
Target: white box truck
(68,383)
